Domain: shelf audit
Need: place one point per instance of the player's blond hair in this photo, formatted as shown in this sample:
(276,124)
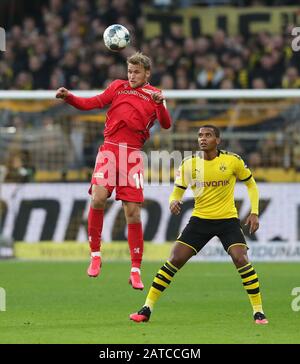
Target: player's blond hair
(141,59)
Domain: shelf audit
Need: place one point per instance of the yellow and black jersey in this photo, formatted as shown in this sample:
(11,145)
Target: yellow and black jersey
(212,183)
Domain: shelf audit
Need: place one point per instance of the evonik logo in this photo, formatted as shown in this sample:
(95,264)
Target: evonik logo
(212,183)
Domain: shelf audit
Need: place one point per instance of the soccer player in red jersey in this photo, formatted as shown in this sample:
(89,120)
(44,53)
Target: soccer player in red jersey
(134,107)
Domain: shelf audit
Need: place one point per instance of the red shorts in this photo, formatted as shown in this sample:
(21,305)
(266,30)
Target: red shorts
(120,167)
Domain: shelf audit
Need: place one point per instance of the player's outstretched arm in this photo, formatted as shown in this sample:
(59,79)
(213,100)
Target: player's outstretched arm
(62,93)
(81,103)
(162,112)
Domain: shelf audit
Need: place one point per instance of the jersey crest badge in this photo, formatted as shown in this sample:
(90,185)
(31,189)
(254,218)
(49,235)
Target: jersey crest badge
(222,167)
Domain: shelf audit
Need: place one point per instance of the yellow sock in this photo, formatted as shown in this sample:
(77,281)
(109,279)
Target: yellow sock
(251,284)
(161,281)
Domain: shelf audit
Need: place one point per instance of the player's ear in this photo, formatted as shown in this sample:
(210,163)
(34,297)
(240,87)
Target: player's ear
(148,73)
(218,140)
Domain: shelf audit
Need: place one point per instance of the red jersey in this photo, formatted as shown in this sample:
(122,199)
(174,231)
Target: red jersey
(131,115)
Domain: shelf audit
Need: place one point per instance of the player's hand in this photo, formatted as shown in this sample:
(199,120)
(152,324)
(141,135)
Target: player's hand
(62,93)
(252,222)
(175,207)
(158,97)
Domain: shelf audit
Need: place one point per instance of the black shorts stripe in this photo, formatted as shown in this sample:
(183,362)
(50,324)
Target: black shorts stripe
(245,268)
(165,269)
(250,282)
(163,278)
(170,267)
(158,286)
(249,274)
(246,179)
(183,188)
(253,291)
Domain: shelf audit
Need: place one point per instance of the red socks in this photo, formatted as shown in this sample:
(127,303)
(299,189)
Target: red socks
(95,223)
(136,244)
(135,236)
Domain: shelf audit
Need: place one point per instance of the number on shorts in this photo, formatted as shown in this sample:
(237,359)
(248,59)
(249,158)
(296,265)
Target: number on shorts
(139,180)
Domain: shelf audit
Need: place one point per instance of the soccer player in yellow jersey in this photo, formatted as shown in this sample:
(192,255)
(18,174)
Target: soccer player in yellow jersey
(212,176)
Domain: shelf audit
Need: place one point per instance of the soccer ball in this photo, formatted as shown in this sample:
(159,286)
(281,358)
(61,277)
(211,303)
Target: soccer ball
(116,37)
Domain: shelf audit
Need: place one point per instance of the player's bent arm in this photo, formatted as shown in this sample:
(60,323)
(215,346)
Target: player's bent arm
(163,116)
(175,207)
(177,193)
(253,195)
(175,199)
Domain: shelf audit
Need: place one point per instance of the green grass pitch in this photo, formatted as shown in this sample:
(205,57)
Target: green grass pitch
(55,302)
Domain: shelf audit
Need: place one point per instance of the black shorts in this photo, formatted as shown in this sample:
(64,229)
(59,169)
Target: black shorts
(198,232)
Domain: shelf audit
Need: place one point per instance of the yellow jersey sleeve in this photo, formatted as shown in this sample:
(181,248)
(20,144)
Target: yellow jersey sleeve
(182,182)
(177,194)
(241,170)
(184,175)
(253,195)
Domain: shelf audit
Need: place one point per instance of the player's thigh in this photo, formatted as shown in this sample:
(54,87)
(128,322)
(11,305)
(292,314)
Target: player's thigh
(99,193)
(231,234)
(196,234)
(238,255)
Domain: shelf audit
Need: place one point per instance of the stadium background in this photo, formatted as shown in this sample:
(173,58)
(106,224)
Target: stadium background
(48,148)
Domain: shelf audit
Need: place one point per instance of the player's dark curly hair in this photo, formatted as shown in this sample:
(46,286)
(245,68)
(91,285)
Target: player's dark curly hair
(214,128)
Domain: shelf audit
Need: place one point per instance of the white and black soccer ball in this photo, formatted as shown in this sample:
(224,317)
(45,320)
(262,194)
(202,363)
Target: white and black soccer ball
(116,37)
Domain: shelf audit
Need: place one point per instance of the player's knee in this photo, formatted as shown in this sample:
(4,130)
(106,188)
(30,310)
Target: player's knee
(132,213)
(99,197)
(98,202)
(133,217)
(239,260)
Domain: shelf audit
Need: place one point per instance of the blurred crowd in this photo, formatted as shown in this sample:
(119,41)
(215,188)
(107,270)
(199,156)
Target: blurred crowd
(61,45)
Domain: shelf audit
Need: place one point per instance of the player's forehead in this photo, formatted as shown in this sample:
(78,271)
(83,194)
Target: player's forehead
(206,130)
(135,67)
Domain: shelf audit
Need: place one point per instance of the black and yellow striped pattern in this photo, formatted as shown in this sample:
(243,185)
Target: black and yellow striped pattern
(161,281)
(251,285)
